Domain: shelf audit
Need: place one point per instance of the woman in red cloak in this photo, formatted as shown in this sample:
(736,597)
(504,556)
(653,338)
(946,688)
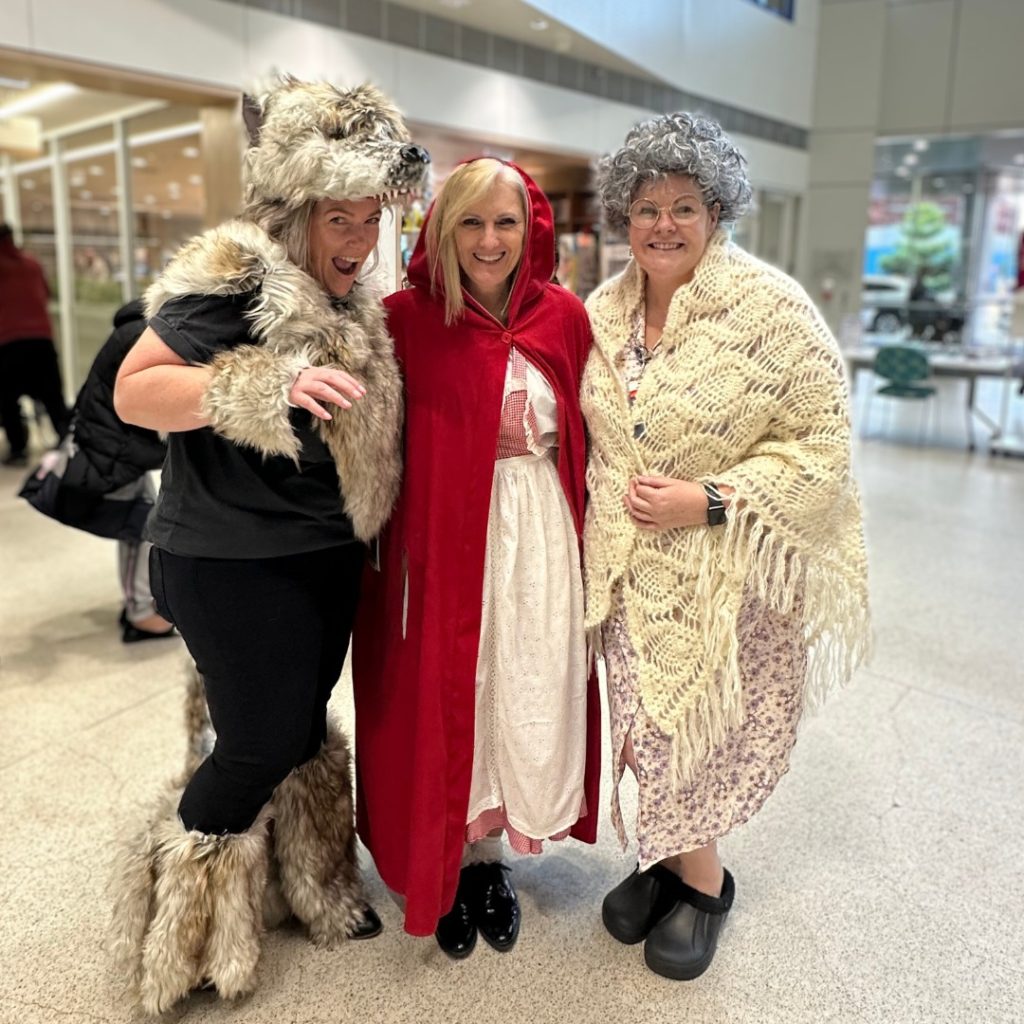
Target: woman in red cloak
(476,710)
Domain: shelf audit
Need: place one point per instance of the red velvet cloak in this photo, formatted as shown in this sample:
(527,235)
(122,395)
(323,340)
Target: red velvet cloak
(415,687)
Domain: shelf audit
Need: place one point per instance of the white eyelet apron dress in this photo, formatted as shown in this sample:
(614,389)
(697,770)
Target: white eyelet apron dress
(531,682)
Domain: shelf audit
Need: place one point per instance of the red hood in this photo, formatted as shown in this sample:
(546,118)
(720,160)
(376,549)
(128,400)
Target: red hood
(536,265)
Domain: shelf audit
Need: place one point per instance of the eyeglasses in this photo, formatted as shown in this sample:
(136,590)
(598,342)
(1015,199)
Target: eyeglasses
(645,213)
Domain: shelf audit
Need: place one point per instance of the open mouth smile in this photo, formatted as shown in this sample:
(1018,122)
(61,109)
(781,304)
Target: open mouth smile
(344,266)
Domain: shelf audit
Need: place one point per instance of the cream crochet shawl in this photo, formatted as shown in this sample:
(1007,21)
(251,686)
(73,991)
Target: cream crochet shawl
(748,390)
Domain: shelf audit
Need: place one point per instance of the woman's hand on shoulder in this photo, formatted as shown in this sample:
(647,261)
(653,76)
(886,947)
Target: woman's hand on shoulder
(661,502)
(316,384)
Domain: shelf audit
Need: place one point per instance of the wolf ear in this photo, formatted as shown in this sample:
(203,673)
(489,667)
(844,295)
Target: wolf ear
(252,116)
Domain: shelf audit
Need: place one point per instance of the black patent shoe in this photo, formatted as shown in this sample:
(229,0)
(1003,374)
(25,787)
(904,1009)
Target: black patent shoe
(682,944)
(495,905)
(456,931)
(639,902)
(369,927)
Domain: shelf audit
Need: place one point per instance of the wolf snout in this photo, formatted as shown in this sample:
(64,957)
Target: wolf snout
(414,154)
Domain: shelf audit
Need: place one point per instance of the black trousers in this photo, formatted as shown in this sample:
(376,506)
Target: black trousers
(29,367)
(269,636)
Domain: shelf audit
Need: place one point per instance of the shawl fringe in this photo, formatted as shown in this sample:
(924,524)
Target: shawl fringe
(835,624)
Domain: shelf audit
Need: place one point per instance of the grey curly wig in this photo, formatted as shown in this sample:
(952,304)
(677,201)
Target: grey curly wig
(684,144)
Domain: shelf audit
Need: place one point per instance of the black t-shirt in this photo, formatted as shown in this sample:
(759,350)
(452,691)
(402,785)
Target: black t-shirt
(222,500)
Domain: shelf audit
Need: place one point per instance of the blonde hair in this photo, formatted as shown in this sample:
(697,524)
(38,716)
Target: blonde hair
(466,185)
(287,225)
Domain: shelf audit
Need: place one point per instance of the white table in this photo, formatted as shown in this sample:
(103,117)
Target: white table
(964,365)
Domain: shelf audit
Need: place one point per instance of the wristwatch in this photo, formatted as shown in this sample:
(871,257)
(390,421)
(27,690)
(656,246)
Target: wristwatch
(716,505)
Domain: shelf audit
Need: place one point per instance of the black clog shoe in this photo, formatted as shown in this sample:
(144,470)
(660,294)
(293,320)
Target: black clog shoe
(639,902)
(682,944)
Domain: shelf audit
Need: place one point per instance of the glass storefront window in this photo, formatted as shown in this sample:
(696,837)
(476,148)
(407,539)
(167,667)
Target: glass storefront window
(944,246)
(167,187)
(92,199)
(34,189)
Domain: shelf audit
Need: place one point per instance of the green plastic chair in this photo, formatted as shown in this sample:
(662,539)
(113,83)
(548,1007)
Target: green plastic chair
(902,369)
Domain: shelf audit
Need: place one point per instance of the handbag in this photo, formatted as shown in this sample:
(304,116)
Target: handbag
(116,516)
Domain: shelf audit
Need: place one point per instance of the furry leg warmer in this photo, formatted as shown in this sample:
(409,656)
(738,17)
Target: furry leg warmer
(199,731)
(188,909)
(315,844)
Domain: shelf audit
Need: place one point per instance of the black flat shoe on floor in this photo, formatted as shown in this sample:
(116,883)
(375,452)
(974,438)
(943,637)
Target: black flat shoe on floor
(495,905)
(369,927)
(682,944)
(132,634)
(639,902)
(456,931)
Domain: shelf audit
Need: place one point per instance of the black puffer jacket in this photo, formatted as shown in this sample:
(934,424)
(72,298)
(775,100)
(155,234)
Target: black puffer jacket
(110,453)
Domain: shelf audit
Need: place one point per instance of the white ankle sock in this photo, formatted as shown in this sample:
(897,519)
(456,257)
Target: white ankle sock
(483,851)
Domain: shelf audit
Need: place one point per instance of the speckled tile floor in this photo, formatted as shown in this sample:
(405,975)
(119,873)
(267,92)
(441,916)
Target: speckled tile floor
(881,883)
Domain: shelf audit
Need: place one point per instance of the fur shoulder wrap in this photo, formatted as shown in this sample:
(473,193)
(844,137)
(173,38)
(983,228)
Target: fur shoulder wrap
(297,326)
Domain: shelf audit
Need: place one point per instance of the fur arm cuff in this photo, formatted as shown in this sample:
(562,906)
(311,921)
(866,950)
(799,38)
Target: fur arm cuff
(247,399)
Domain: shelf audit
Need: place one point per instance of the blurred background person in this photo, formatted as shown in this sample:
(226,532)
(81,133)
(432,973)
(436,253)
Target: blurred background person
(28,360)
(103,486)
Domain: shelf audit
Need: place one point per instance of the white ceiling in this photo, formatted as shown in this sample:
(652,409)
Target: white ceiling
(512,18)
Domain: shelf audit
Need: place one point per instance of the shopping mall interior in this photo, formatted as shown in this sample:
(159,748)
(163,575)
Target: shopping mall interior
(885,147)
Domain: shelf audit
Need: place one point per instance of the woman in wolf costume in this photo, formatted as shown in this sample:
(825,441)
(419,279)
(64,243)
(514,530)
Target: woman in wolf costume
(252,326)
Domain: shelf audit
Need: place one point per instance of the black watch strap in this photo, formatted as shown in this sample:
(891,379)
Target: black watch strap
(716,505)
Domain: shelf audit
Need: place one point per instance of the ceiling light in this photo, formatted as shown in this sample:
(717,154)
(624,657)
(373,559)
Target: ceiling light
(77,179)
(13,83)
(166,215)
(150,200)
(910,159)
(95,170)
(195,179)
(104,211)
(28,183)
(37,99)
(85,194)
(921,145)
(538,24)
(139,161)
(191,152)
(903,172)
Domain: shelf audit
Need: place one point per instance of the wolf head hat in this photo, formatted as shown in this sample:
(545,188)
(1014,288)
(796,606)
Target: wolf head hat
(311,140)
